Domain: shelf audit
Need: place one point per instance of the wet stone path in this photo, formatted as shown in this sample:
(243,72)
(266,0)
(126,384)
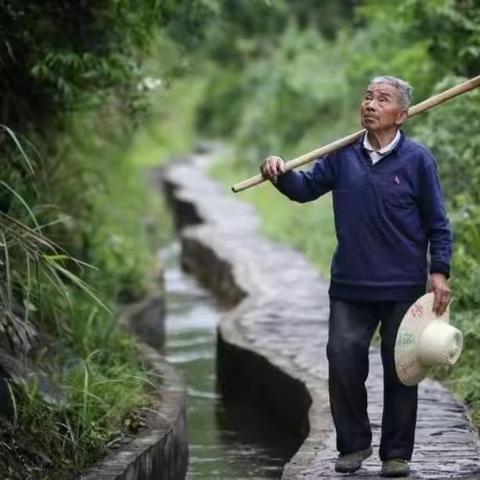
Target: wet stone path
(279,320)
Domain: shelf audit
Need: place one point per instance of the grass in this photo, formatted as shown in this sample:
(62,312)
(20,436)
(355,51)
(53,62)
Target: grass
(87,382)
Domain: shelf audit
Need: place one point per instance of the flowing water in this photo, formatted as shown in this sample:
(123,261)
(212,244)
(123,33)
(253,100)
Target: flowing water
(226,440)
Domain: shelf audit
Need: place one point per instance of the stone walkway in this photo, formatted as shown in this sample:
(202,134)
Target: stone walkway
(280,316)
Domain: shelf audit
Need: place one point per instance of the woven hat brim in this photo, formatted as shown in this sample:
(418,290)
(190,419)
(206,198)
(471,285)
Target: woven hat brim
(410,370)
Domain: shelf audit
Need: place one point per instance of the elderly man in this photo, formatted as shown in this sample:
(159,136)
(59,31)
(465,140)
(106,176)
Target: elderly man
(389,210)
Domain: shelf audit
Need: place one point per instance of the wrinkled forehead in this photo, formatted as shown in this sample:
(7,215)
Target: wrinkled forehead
(384,89)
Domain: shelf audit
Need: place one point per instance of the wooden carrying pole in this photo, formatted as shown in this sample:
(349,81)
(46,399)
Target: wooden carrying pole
(331,147)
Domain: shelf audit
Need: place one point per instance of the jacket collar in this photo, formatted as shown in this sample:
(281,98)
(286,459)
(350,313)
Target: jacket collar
(359,143)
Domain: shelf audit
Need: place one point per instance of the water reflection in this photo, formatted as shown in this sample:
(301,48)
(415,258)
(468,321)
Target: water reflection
(227,440)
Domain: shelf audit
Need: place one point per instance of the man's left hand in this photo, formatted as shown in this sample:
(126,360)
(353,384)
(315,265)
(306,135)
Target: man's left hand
(438,284)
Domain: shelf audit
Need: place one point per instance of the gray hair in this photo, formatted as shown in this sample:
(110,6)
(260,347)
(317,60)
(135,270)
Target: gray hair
(404,88)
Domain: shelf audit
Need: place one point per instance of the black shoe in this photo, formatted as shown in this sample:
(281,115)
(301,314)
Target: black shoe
(351,462)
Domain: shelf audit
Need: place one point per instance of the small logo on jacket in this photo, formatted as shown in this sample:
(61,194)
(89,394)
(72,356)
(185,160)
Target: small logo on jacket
(396,180)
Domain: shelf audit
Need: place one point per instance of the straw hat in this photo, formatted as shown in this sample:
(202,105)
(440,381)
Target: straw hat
(425,340)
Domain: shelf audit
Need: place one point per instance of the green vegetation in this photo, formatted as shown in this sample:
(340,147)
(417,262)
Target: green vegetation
(90,379)
(93,93)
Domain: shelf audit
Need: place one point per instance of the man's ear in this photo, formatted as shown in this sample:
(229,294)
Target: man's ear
(401,117)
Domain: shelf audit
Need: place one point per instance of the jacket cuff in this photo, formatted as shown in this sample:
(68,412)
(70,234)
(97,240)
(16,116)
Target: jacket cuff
(440,267)
(285,178)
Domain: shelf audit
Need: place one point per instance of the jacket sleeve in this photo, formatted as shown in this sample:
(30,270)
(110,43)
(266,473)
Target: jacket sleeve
(305,186)
(432,204)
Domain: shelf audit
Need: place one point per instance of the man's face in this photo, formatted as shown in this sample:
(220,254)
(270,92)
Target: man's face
(381,108)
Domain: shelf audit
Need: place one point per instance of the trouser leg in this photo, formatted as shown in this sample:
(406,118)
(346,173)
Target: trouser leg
(399,401)
(351,327)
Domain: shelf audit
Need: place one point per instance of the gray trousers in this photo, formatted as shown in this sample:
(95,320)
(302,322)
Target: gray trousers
(351,328)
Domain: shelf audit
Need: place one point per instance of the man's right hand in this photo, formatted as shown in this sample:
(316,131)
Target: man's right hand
(271,167)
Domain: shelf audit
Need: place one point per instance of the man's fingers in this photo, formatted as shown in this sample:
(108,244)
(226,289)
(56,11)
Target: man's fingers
(440,304)
(280,164)
(436,301)
(273,172)
(268,170)
(272,167)
(444,303)
(276,167)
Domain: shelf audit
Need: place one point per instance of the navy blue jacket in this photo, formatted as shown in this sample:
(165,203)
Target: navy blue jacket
(387,215)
